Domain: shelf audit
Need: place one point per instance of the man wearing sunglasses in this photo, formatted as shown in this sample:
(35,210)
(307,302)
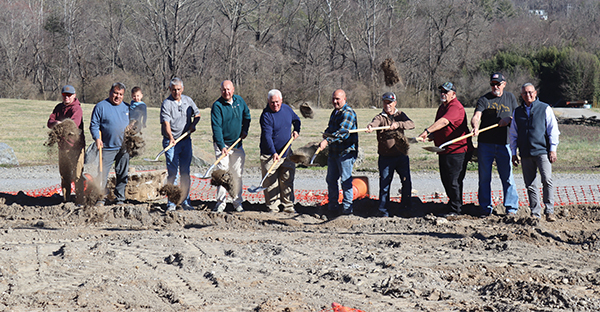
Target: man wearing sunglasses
(70,149)
(495,107)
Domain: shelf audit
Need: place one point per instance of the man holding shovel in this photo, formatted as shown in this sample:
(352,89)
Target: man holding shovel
(343,150)
(71,148)
(110,117)
(392,156)
(230,120)
(178,115)
(450,123)
(276,123)
(495,107)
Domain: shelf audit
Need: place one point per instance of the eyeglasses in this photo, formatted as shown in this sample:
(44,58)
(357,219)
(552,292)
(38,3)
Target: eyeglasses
(528,92)
(495,84)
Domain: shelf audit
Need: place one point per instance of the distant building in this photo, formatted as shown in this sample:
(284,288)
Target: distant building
(540,13)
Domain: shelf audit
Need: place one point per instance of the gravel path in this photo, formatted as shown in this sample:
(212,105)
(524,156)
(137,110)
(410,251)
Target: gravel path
(424,182)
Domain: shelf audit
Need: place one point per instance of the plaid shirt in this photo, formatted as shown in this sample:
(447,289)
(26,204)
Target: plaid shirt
(343,142)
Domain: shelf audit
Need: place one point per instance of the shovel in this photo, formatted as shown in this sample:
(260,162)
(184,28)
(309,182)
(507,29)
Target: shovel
(258,188)
(168,147)
(436,149)
(206,176)
(312,160)
(342,131)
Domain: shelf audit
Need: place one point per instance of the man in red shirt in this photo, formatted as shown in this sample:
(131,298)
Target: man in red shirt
(451,123)
(70,150)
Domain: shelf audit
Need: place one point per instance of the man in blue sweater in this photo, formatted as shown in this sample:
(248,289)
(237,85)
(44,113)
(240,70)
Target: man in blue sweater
(343,150)
(230,120)
(534,131)
(276,123)
(110,117)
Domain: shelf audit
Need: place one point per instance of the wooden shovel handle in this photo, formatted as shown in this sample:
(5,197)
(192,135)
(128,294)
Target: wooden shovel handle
(467,135)
(100,156)
(281,153)
(365,129)
(228,150)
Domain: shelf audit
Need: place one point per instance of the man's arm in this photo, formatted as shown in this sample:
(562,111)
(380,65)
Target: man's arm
(166,127)
(404,123)
(553,133)
(475,122)
(52,121)
(347,124)
(512,135)
(246,118)
(437,125)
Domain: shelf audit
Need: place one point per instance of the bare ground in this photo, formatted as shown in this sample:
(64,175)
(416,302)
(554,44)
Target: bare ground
(58,257)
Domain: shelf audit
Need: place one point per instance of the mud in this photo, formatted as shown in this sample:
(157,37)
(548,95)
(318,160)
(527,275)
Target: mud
(306,111)
(134,141)
(173,192)
(67,130)
(390,72)
(59,257)
(223,178)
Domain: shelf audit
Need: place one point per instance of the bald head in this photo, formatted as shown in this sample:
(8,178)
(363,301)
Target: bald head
(227,90)
(338,99)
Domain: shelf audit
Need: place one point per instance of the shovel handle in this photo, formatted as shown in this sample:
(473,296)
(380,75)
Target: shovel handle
(171,145)
(467,135)
(100,156)
(282,152)
(228,150)
(365,129)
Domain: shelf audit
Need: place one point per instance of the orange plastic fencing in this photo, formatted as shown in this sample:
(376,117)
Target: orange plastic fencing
(202,190)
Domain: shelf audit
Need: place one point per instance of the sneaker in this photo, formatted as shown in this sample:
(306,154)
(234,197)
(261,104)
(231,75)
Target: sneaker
(99,203)
(273,210)
(187,206)
(239,208)
(550,217)
(219,207)
(171,207)
(289,210)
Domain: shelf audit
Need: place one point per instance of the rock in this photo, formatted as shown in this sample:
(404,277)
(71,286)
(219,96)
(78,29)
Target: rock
(7,155)
(199,162)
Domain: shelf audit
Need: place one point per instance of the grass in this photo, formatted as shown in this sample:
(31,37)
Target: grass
(23,127)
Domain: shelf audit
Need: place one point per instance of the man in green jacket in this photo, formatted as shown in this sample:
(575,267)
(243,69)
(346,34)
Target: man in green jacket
(230,120)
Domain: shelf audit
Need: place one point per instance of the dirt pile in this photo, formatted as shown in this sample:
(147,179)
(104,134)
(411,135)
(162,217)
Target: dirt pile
(390,72)
(224,178)
(66,131)
(307,111)
(173,192)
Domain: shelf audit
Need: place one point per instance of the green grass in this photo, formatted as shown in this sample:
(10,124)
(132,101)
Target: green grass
(23,127)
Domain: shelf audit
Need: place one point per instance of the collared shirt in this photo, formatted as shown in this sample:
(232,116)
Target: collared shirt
(179,114)
(551,129)
(340,122)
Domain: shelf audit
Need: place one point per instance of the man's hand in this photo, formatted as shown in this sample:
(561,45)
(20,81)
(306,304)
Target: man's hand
(171,141)
(475,131)
(99,143)
(552,157)
(369,130)
(224,151)
(394,126)
(192,128)
(295,135)
(424,137)
(516,160)
(243,135)
(323,144)
(276,158)
(504,121)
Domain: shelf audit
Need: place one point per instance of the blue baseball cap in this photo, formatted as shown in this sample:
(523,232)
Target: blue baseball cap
(448,86)
(69,89)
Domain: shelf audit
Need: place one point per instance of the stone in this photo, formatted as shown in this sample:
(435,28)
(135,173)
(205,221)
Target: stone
(7,156)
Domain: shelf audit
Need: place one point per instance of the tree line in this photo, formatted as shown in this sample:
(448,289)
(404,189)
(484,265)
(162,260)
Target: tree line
(305,48)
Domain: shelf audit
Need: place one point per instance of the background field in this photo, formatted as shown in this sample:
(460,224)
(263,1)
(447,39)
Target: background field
(23,127)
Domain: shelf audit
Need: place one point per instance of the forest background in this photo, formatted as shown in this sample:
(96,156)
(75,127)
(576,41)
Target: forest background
(305,48)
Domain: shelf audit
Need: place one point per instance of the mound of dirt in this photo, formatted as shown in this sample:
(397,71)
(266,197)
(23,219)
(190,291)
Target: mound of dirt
(390,72)
(223,178)
(66,131)
(133,141)
(173,192)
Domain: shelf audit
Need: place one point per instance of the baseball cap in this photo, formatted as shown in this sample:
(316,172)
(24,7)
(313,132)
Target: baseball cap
(69,89)
(448,86)
(389,96)
(497,77)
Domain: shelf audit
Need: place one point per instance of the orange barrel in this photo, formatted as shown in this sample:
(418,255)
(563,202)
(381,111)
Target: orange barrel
(360,189)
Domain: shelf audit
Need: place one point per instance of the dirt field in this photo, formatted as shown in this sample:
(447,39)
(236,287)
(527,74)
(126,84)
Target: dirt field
(57,257)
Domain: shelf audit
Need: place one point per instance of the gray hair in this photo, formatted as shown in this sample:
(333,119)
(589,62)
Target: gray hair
(117,86)
(175,82)
(527,85)
(274,92)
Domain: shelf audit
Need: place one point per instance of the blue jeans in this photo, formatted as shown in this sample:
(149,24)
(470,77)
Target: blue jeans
(387,166)
(340,166)
(487,152)
(179,157)
(121,160)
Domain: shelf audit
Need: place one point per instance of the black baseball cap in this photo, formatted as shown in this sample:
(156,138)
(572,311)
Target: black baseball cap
(497,77)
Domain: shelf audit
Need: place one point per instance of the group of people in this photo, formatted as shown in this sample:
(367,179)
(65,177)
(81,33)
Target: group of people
(530,128)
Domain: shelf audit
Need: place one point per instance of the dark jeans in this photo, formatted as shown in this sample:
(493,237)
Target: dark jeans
(453,168)
(387,166)
(121,160)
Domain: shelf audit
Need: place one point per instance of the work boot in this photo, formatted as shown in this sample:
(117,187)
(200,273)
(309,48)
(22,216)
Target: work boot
(550,217)
(289,210)
(220,207)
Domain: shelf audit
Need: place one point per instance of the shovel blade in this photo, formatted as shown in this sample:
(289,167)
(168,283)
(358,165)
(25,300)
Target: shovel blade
(152,160)
(434,149)
(256,189)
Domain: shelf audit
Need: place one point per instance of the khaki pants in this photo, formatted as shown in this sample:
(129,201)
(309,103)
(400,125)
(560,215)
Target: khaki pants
(70,166)
(279,185)
(234,163)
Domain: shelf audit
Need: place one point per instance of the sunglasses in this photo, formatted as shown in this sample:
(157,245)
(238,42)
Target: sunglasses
(495,84)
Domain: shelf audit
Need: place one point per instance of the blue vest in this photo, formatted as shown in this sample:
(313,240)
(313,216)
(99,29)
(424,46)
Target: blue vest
(532,139)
